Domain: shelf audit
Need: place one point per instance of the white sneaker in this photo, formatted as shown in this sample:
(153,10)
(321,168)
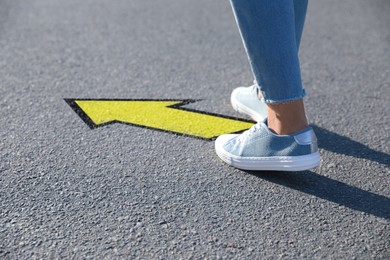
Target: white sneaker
(260,149)
(245,100)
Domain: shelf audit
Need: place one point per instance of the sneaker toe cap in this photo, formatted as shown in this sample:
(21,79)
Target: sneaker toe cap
(223,139)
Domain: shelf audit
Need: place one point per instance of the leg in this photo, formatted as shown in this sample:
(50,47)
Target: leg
(271,33)
(268,32)
(290,117)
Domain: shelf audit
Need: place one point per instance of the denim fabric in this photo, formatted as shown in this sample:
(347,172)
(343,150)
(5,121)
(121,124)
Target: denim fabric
(271,31)
(259,141)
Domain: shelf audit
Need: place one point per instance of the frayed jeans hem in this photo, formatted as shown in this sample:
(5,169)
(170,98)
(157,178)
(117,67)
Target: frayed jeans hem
(283,101)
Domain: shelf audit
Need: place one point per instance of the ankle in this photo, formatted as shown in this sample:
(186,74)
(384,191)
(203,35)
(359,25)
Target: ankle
(286,118)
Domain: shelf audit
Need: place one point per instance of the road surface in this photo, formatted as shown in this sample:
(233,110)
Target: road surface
(122,191)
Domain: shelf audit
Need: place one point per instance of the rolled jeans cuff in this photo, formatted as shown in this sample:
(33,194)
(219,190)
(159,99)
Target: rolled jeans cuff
(283,100)
(276,101)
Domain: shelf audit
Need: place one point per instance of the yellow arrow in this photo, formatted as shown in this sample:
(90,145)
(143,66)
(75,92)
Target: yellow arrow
(165,115)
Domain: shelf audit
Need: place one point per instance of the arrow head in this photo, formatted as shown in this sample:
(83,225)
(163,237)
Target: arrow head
(163,115)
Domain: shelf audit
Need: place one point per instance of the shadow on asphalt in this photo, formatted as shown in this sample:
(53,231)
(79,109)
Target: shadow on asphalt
(332,190)
(343,145)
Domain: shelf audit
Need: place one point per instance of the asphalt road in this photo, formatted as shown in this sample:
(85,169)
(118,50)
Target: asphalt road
(119,191)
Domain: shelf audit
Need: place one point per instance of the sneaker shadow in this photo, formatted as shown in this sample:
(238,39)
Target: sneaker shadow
(343,145)
(332,190)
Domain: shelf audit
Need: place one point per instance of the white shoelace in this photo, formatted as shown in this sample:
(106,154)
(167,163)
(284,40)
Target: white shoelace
(248,132)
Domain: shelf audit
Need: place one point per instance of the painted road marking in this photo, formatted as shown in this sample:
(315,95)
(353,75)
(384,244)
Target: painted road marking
(163,115)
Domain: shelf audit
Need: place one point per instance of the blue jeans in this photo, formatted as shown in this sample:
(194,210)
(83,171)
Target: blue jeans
(271,31)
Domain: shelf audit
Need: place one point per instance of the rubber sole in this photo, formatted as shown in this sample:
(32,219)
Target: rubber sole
(274,163)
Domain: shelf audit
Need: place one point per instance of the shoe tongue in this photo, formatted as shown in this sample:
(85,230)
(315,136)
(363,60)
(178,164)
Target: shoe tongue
(260,125)
(264,124)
